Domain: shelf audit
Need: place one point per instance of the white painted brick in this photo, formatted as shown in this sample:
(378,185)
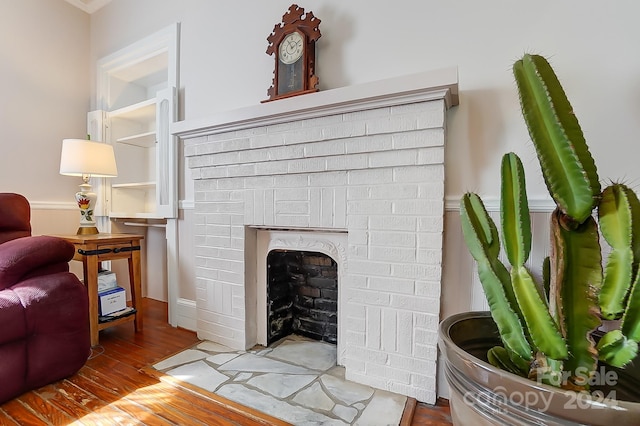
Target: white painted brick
(290,181)
(393,223)
(427,352)
(213,172)
(340,208)
(354,365)
(289,194)
(393,239)
(428,173)
(357,222)
(415,304)
(358,251)
(291,220)
(368,143)
(392,254)
(434,156)
(416,271)
(368,298)
(392,285)
(418,207)
(405,340)
(355,193)
(429,256)
(261,182)
(292,207)
(373,327)
(355,338)
(306,134)
(418,139)
(358,237)
(393,158)
(347,162)
(358,281)
(271,168)
(337,178)
(394,192)
(288,152)
(306,165)
(261,141)
(390,330)
(217,230)
(427,288)
(355,311)
(390,373)
(322,149)
(391,124)
(369,356)
(230,184)
(369,268)
(378,207)
(344,130)
(370,177)
(426,320)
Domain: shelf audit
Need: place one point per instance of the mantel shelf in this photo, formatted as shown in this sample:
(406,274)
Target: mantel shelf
(430,85)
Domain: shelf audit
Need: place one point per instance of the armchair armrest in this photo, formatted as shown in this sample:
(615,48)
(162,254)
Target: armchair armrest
(23,256)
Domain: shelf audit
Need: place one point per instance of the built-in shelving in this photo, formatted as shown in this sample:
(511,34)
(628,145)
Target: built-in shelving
(143,140)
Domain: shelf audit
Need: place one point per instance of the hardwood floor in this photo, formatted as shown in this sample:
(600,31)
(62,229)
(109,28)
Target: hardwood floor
(113,388)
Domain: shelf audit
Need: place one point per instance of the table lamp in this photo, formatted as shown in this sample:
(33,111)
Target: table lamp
(87,159)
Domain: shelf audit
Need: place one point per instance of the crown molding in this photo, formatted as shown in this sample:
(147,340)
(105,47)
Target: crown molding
(89,6)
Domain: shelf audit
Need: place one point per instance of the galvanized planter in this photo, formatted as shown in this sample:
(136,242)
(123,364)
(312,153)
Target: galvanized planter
(481,394)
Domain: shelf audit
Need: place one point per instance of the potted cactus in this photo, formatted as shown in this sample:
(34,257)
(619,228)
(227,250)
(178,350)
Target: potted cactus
(541,356)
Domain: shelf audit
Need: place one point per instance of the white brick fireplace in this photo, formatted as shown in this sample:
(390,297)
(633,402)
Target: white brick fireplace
(363,164)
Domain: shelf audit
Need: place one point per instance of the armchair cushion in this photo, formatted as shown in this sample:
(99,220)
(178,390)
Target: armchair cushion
(31,256)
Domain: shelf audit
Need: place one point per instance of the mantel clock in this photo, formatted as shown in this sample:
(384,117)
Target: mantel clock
(293,43)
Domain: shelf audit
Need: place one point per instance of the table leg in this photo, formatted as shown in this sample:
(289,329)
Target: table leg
(136,286)
(90,266)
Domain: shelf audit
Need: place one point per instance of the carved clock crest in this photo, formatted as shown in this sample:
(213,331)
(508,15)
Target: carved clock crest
(293,42)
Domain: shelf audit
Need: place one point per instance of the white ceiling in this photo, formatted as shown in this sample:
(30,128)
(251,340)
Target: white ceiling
(88,6)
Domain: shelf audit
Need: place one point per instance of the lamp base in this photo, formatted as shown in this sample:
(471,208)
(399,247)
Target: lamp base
(87,230)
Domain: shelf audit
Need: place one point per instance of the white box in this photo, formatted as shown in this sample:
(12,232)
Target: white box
(106,280)
(112,300)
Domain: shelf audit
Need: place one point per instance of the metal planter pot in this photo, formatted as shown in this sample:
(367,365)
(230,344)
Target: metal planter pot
(481,394)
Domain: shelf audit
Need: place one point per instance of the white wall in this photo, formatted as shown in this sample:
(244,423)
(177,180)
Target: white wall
(44,96)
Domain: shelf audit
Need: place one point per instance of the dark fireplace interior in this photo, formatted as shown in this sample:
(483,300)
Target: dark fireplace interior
(302,295)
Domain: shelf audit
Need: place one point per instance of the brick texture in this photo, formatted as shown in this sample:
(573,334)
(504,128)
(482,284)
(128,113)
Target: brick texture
(376,174)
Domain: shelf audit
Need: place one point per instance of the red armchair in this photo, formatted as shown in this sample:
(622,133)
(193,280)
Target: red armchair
(44,309)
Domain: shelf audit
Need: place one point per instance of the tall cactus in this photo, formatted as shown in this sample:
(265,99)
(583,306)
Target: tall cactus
(557,319)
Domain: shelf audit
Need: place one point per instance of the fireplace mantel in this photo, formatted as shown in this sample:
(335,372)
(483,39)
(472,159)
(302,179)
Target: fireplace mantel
(419,87)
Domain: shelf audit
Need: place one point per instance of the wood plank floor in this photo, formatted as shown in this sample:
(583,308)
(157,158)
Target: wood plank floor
(112,388)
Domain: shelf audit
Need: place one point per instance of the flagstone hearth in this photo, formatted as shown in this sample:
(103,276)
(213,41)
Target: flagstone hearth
(296,379)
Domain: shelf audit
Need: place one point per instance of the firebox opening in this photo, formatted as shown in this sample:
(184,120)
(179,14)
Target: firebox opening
(302,295)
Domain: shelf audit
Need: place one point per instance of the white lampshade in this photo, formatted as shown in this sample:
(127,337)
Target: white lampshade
(82,157)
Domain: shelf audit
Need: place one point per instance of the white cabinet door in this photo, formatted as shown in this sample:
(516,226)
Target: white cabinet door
(166,154)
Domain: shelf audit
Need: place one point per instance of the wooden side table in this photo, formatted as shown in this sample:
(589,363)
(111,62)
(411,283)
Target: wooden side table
(93,249)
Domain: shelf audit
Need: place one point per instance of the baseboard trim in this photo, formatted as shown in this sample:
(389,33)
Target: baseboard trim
(186,314)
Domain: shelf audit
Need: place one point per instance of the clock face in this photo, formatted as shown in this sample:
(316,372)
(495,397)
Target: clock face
(291,48)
